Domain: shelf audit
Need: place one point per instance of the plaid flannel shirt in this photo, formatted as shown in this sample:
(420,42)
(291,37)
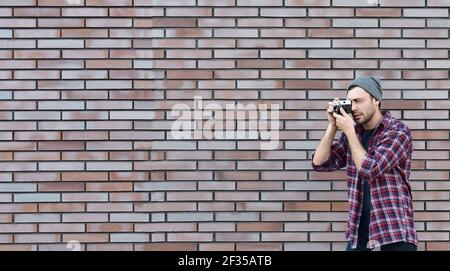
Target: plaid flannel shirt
(386,167)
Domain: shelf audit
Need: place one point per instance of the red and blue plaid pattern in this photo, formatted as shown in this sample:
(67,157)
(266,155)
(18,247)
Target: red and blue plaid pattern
(386,166)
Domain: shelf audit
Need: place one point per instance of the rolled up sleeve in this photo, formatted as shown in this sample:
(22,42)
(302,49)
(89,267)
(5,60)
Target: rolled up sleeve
(337,159)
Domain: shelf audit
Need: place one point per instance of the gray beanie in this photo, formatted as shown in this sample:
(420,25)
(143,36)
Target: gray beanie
(370,84)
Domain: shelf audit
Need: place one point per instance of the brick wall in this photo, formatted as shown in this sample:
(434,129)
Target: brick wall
(86,90)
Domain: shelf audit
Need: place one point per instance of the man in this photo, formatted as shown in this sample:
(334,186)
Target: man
(377,152)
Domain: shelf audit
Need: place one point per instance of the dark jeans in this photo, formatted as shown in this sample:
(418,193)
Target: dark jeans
(363,230)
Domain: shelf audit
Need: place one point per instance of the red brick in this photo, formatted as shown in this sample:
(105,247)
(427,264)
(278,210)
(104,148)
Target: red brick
(84,176)
(84,33)
(36,54)
(60,187)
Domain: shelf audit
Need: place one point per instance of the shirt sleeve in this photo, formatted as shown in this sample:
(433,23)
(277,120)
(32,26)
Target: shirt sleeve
(394,147)
(338,156)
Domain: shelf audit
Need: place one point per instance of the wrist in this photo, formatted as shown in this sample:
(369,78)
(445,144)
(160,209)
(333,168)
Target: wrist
(350,132)
(332,127)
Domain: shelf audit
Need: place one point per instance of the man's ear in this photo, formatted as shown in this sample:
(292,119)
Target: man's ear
(377,102)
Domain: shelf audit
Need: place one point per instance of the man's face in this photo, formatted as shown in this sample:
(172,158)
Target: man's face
(363,105)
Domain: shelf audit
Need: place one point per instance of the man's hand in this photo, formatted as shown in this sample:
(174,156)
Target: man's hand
(331,119)
(345,122)
(346,125)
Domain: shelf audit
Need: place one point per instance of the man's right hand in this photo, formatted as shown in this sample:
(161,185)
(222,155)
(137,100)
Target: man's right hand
(323,151)
(331,119)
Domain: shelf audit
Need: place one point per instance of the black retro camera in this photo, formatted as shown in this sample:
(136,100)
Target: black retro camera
(345,104)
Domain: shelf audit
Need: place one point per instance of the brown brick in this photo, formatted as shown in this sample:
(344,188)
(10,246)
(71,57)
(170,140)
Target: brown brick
(173,246)
(307,206)
(260,226)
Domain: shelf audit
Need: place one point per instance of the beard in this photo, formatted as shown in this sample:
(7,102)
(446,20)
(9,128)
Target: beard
(363,118)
